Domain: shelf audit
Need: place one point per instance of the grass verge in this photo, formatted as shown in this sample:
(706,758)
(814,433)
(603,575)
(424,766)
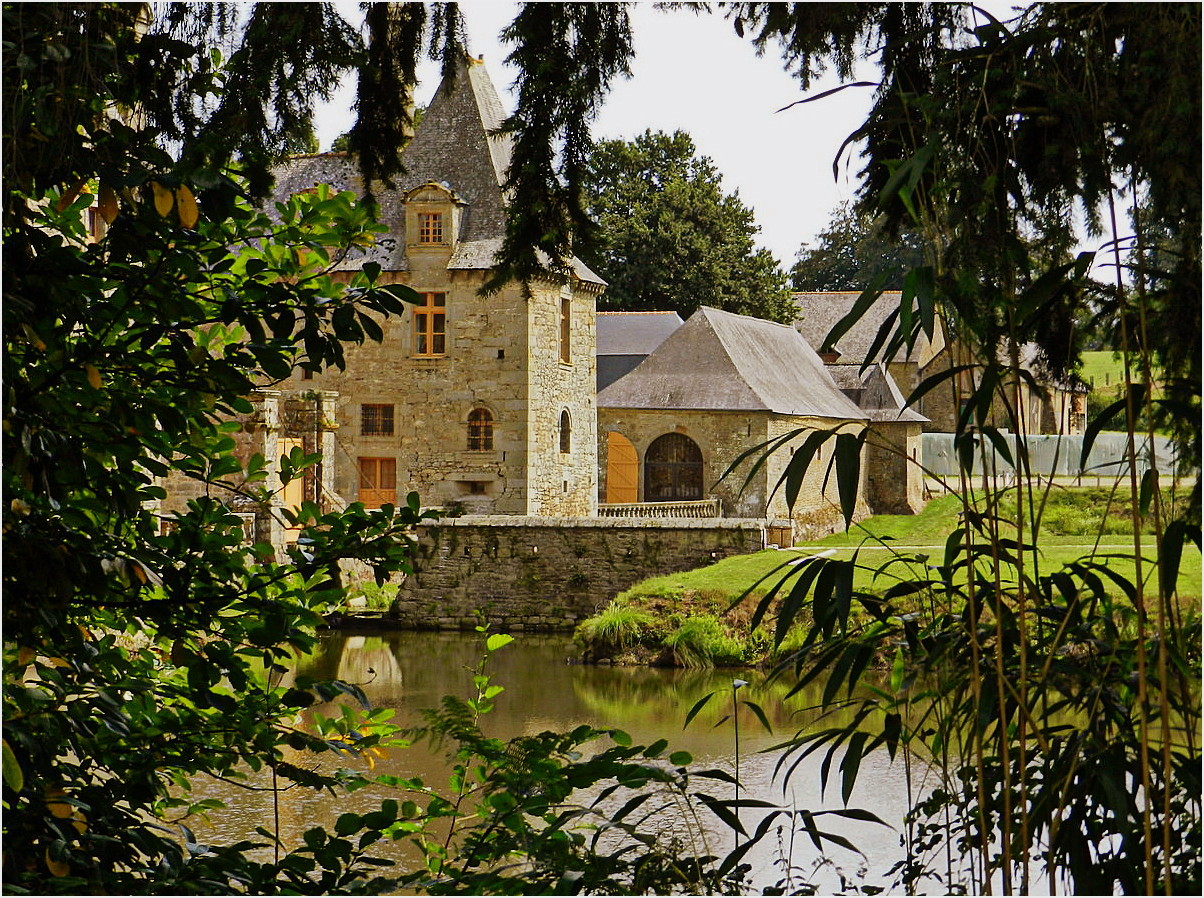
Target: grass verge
(1078,524)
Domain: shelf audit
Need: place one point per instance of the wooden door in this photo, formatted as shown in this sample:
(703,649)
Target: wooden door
(294,490)
(622,470)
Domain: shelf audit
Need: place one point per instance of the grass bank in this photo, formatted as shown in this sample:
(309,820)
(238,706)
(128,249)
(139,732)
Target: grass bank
(686,619)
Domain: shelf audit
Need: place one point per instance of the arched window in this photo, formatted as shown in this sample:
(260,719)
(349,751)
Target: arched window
(480,430)
(566,432)
(672,469)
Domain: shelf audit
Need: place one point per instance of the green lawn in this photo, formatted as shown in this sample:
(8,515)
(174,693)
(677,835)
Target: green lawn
(1102,369)
(1074,519)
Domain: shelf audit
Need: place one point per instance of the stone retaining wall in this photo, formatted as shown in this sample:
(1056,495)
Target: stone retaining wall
(526,573)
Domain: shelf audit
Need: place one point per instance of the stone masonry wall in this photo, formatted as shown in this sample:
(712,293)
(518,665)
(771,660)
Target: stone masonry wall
(527,573)
(722,437)
(501,355)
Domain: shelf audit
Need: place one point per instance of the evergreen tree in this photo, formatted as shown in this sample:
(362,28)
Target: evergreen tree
(670,239)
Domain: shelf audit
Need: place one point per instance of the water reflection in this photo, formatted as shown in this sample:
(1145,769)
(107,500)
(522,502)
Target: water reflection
(409,672)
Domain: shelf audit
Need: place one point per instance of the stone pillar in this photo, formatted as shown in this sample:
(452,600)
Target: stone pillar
(329,499)
(267,517)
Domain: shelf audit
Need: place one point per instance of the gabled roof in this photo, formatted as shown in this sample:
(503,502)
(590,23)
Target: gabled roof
(634,333)
(875,392)
(455,145)
(718,361)
(820,312)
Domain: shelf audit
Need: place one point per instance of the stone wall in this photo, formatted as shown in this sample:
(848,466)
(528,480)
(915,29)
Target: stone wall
(502,356)
(894,480)
(722,437)
(527,573)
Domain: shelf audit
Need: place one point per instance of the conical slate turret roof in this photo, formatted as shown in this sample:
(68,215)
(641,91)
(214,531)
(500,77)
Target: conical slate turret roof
(719,361)
(454,145)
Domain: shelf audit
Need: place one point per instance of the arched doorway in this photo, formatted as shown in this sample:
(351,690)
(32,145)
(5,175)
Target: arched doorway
(622,469)
(672,469)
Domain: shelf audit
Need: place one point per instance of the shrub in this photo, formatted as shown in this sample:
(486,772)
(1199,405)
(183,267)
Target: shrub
(617,627)
(377,598)
(702,642)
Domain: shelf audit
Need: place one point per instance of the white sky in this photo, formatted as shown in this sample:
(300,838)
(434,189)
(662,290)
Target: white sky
(695,74)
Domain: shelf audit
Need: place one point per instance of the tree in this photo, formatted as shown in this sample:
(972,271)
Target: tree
(140,652)
(669,238)
(852,252)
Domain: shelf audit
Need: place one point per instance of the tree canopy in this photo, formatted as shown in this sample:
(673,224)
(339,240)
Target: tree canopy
(854,251)
(669,238)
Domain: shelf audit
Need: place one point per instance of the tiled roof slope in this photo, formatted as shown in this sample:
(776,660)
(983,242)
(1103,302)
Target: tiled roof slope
(634,333)
(820,312)
(719,361)
(453,145)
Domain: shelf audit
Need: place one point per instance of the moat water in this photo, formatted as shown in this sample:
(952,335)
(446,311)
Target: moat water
(409,672)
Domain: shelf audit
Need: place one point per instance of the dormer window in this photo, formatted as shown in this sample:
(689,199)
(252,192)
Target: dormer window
(432,216)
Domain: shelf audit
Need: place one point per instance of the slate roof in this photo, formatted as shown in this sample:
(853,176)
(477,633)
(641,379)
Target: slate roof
(634,333)
(718,361)
(454,145)
(624,339)
(875,392)
(820,312)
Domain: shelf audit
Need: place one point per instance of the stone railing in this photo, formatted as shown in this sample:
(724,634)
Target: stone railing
(705,508)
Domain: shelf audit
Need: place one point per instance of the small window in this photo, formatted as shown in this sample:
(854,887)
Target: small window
(566,432)
(566,310)
(378,481)
(376,420)
(480,430)
(430,326)
(430,227)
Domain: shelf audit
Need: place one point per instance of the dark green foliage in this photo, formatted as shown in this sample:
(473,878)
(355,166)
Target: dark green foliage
(567,54)
(853,251)
(138,657)
(670,239)
(1058,704)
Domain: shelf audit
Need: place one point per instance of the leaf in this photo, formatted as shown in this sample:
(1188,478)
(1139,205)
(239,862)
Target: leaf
(722,811)
(14,778)
(496,641)
(1136,393)
(892,729)
(164,198)
(848,473)
(896,671)
(69,196)
(107,205)
(698,706)
(756,709)
(186,207)
(621,738)
(850,765)
(93,376)
(1169,557)
(868,297)
(821,94)
(56,868)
